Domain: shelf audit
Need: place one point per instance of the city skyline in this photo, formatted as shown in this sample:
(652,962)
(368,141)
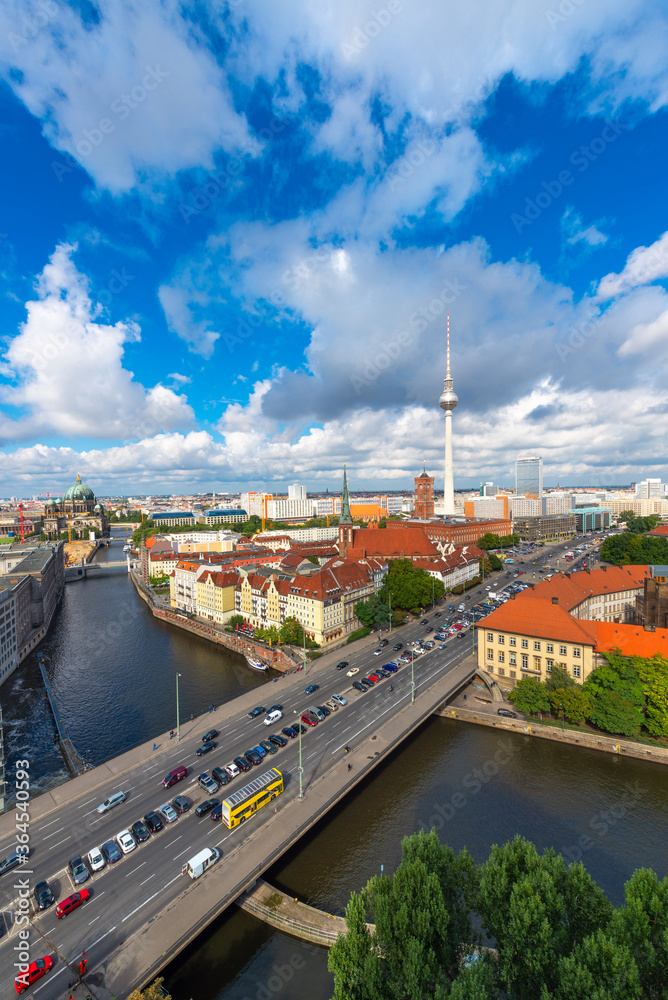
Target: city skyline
(229,244)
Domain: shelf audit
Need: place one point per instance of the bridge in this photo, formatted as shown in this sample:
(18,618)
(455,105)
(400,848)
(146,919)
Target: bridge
(142,911)
(74,761)
(81,571)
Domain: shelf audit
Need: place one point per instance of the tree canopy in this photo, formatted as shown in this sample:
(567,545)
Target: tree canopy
(555,935)
(632,548)
(409,587)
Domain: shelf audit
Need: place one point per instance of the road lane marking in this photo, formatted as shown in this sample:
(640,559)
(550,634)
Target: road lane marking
(55,832)
(86,803)
(182,852)
(40,828)
(89,946)
(59,843)
(147,879)
(138,908)
(94,919)
(136,869)
(50,979)
(172,842)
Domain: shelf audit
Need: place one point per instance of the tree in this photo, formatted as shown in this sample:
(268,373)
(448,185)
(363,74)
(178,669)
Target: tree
(488,541)
(494,562)
(291,632)
(530,696)
(409,587)
(616,715)
(642,925)
(576,704)
(374,612)
(631,548)
(314,560)
(617,674)
(559,678)
(152,992)
(234,621)
(653,674)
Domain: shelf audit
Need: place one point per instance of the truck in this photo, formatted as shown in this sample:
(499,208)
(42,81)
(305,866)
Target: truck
(201,862)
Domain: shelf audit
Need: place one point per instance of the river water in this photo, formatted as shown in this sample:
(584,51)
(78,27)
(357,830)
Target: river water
(112,668)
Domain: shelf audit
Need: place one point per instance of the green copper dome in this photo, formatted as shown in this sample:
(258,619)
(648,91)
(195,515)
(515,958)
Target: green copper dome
(79,492)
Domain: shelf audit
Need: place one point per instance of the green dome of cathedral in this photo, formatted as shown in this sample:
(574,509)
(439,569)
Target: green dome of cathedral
(79,492)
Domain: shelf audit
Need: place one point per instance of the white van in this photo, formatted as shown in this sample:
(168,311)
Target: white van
(199,864)
(113,800)
(273,717)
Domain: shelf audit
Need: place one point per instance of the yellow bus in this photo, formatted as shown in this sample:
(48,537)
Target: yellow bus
(251,797)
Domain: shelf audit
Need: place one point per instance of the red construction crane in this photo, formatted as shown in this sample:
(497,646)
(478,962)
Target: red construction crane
(23,534)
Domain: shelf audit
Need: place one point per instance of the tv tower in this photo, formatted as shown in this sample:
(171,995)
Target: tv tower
(447,402)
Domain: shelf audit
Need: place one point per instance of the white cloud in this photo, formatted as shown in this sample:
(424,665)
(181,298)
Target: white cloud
(575,231)
(643,265)
(648,338)
(65,368)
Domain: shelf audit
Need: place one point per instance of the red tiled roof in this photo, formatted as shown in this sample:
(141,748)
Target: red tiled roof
(541,618)
(574,588)
(631,640)
(403,543)
(661,529)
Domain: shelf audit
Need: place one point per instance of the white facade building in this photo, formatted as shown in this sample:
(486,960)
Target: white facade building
(529,476)
(283,507)
(296,492)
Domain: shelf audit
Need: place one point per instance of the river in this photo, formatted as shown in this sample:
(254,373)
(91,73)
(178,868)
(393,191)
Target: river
(112,667)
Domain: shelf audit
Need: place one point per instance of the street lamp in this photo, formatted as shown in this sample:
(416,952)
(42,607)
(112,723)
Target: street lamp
(178,724)
(412,675)
(561,706)
(301,770)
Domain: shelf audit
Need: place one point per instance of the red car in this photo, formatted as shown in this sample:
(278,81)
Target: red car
(72,902)
(32,973)
(374,678)
(309,719)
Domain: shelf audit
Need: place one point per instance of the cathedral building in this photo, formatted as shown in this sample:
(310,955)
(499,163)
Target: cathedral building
(77,509)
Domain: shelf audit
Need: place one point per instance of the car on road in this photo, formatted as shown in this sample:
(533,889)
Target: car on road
(126,841)
(12,860)
(152,821)
(332,705)
(353,671)
(220,775)
(289,732)
(205,807)
(377,652)
(398,645)
(31,973)
(232,770)
(425,621)
(72,902)
(274,708)
(442,646)
(384,642)
(359,687)
(216,812)
(254,712)
(180,803)
(178,774)
(506,713)
(278,741)
(211,735)
(206,782)
(111,852)
(437,615)
(340,699)
(268,747)
(311,689)
(242,764)
(113,800)
(272,716)
(139,831)
(205,747)
(252,757)
(78,870)
(342,665)
(43,895)
(430,629)
(168,811)
(309,719)
(366,682)
(96,860)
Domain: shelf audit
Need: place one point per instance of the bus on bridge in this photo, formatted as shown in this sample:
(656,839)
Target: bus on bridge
(252,797)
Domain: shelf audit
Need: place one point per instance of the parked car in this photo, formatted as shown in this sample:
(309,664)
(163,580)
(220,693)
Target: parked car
(309,719)
(278,741)
(506,712)
(126,841)
(289,732)
(268,746)
(374,678)
(32,973)
(78,870)
(359,687)
(232,770)
(260,751)
(43,895)
(206,782)
(332,705)
(300,729)
(366,682)
(205,807)
(181,804)
(139,832)
(325,711)
(169,812)
(96,860)
(111,852)
(220,775)
(252,757)
(242,763)
(341,700)
(153,821)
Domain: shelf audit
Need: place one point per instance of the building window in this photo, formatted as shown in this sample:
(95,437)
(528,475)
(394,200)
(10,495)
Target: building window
(501,657)
(513,659)
(562,651)
(490,654)
(525,644)
(513,641)
(576,651)
(512,673)
(576,670)
(525,662)
(536,646)
(548,666)
(500,640)
(550,647)
(490,637)
(536,663)
(501,671)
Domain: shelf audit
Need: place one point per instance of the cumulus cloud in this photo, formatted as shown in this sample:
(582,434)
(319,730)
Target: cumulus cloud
(644,265)
(64,370)
(575,231)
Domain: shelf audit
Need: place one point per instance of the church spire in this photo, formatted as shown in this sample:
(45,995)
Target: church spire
(346,517)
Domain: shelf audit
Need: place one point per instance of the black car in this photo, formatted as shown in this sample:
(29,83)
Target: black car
(325,711)
(205,747)
(437,615)
(254,712)
(278,741)
(242,763)
(139,831)
(274,708)
(384,642)
(299,728)
(398,645)
(342,665)
(43,895)
(367,682)
(181,804)
(78,870)
(111,853)
(289,732)
(506,712)
(425,621)
(268,746)
(311,689)
(359,687)
(216,812)
(153,821)
(205,807)
(252,757)
(220,775)
(211,735)
(12,860)
(382,673)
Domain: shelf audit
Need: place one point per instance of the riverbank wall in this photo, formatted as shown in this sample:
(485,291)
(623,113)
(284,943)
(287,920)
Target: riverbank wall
(277,658)
(591,741)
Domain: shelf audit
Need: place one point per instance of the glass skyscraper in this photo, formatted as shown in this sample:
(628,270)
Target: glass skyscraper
(529,476)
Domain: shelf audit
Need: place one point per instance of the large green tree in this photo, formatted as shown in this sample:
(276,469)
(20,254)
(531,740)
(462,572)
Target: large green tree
(530,696)
(576,703)
(374,612)
(409,587)
(631,548)
(615,714)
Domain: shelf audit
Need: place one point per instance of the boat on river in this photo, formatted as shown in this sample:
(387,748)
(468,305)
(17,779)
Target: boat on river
(256,664)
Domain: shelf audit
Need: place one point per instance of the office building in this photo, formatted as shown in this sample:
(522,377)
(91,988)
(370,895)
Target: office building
(296,492)
(529,476)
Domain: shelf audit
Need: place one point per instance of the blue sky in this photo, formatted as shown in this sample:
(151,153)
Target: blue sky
(230,236)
